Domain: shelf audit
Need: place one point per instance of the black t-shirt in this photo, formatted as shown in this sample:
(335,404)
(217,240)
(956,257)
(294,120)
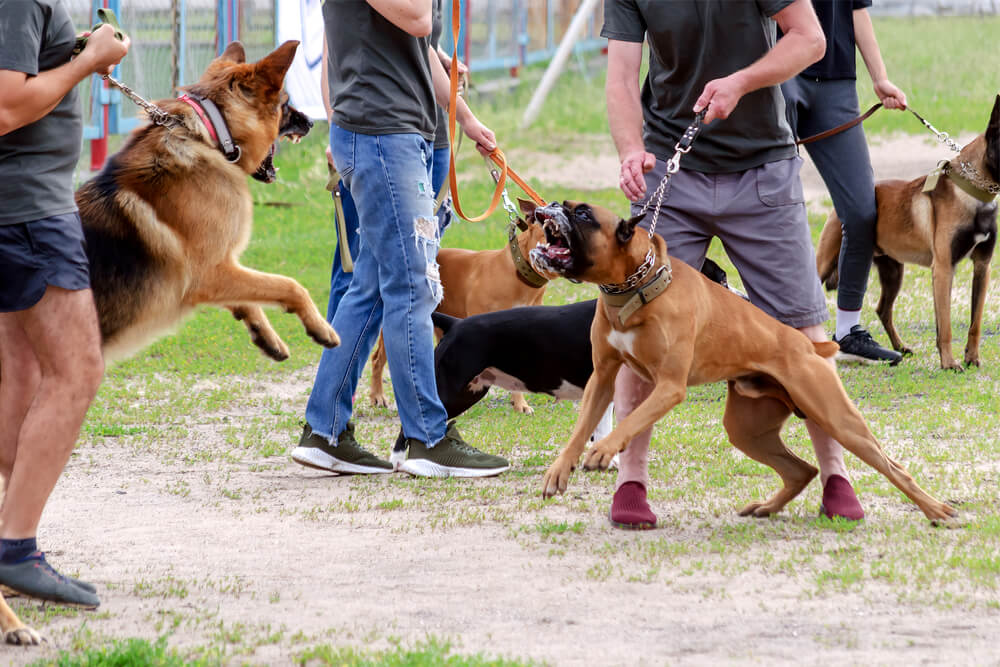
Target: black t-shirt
(692,42)
(837,19)
(37,160)
(379,76)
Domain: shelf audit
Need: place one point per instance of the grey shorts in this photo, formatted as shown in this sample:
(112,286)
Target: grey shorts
(36,254)
(760,217)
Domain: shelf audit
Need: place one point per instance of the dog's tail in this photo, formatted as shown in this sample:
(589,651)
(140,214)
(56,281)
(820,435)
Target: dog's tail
(828,252)
(443,322)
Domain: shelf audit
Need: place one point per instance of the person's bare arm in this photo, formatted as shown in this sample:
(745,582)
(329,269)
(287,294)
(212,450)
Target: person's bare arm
(479,133)
(26,99)
(802,43)
(621,92)
(864,37)
(410,16)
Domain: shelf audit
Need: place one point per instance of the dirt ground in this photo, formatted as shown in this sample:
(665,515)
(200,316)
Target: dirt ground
(291,558)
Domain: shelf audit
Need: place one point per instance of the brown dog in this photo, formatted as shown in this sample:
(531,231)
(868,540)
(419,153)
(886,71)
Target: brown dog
(956,218)
(169,215)
(680,329)
(481,281)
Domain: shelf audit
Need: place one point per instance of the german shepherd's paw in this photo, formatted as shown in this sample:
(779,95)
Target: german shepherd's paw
(600,455)
(324,335)
(557,476)
(23,636)
(379,400)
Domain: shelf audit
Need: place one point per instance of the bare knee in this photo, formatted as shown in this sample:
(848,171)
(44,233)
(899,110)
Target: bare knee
(630,391)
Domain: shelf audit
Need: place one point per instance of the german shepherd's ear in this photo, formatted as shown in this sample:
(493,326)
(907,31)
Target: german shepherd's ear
(993,140)
(626,228)
(527,207)
(234,52)
(272,67)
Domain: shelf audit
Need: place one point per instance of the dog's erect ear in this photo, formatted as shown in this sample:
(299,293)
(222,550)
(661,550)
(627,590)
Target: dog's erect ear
(273,66)
(235,53)
(626,228)
(993,140)
(527,208)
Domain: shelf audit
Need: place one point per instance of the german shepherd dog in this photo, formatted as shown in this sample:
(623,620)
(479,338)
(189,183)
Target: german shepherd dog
(956,218)
(168,216)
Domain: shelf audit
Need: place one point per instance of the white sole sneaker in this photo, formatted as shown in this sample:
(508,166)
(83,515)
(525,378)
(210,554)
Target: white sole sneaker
(314,457)
(425,468)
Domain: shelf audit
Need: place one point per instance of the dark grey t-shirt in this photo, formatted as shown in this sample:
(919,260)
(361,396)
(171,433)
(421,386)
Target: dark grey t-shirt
(692,42)
(380,80)
(441,134)
(37,160)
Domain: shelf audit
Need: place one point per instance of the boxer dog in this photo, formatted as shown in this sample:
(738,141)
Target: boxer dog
(676,328)
(937,221)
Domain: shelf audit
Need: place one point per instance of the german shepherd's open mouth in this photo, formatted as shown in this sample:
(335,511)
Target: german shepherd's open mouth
(294,126)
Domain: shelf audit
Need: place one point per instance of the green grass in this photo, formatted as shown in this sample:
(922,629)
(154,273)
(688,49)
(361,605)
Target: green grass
(208,379)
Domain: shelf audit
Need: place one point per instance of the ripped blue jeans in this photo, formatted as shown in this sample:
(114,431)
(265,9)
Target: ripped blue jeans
(395,285)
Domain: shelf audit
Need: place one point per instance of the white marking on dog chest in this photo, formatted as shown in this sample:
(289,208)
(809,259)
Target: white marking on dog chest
(623,341)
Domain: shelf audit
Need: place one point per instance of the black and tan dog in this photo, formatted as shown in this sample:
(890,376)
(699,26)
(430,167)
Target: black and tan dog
(936,221)
(169,215)
(677,329)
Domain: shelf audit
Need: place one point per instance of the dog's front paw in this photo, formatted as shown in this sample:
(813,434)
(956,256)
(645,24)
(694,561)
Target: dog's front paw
(23,636)
(952,365)
(325,335)
(379,400)
(557,477)
(600,456)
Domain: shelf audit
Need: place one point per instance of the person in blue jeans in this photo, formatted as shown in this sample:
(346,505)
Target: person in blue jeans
(821,97)
(383,79)
(340,279)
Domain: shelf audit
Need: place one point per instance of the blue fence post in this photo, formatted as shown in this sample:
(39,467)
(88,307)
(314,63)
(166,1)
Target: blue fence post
(229,24)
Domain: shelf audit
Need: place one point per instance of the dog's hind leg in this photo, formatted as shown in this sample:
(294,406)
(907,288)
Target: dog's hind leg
(890,276)
(754,427)
(262,334)
(817,391)
(377,391)
(828,251)
(231,283)
(981,258)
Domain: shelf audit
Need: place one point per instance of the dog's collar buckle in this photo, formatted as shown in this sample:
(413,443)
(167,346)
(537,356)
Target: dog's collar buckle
(966,177)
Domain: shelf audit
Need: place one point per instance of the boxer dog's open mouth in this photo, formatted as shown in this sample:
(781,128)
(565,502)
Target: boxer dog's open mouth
(555,255)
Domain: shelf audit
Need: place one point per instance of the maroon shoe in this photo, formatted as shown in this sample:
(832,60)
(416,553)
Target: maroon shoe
(839,500)
(630,510)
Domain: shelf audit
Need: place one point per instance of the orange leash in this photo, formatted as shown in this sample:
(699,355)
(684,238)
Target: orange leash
(496,155)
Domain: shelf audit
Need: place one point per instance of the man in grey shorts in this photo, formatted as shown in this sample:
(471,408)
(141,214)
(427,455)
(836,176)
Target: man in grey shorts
(50,343)
(740,182)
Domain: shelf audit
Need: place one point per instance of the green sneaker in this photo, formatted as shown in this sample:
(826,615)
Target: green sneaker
(450,457)
(346,458)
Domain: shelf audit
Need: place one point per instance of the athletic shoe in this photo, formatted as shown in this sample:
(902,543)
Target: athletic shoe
(450,457)
(839,500)
(630,510)
(34,577)
(346,458)
(858,345)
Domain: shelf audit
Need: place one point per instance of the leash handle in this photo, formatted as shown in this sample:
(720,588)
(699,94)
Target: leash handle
(105,15)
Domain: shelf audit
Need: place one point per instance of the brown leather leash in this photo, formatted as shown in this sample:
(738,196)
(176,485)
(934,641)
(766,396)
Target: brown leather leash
(840,128)
(496,155)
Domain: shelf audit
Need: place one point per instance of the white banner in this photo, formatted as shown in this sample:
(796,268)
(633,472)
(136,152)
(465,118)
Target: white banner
(303,20)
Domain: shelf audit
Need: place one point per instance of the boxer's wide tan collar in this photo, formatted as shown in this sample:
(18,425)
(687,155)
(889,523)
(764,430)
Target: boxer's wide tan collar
(632,300)
(525,271)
